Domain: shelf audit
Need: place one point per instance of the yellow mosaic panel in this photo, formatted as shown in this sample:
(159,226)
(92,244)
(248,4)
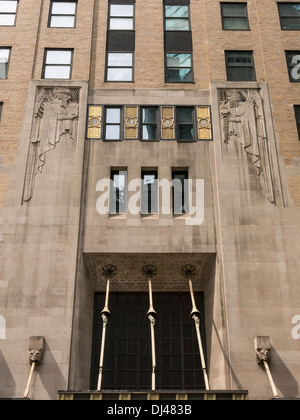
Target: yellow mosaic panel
(204,123)
(131,122)
(94,122)
(167,123)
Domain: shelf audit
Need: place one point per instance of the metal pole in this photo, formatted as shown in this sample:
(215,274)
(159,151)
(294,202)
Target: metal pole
(108,271)
(26,393)
(274,389)
(151,316)
(150,271)
(188,271)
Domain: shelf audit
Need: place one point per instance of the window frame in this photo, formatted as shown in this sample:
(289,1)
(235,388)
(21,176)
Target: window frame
(141,124)
(291,66)
(287,16)
(226,52)
(57,65)
(62,14)
(121,124)
(175,18)
(154,195)
(107,67)
(185,196)
(297,118)
(178,124)
(222,4)
(192,66)
(121,17)
(112,189)
(8,61)
(9,13)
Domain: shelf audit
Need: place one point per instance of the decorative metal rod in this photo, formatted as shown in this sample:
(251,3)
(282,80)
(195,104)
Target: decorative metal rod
(274,389)
(150,271)
(189,271)
(26,393)
(109,271)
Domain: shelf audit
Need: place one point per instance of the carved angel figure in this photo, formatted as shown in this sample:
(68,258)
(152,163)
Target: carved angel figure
(242,120)
(55,117)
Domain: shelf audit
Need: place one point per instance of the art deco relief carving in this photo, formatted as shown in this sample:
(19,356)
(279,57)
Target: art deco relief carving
(55,120)
(130,275)
(242,120)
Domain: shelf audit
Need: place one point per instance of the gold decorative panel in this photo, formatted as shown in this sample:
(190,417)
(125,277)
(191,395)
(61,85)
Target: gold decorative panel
(94,122)
(131,122)
(167,123)
(204,123)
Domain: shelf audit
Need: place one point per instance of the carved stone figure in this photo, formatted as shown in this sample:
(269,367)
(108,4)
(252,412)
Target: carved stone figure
(242,120)
(55,119)
(262,355)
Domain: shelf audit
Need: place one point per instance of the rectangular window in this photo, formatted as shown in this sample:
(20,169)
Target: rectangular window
(149,117)
(297,115)
(293,63)
(289,14)
(179,68)
(118,192)
(177,18)
(185,123)
(180,192)
(235,16)
(119,67)
(240,66)
(121,17)
(1,109)
(62,14)
(4,61)
(8,11)
(113,118)
(149,192)
(127,359)
(57,64)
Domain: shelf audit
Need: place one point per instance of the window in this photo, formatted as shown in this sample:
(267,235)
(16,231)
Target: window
(121,17)
(8,11)
(177,18)
(118,192)
(297,115)
(149,123)
(113,118)
(234,16)
(179,68)
(289,14)
(240,66)
(293,63)
(4,60)
(1,109)
(57,64)
(127,363)
(180,192)
(149,192)
(185,123)
(63,14)
(119,67)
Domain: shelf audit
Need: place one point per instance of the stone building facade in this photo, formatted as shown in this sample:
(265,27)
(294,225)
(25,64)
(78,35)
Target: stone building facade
(189,89)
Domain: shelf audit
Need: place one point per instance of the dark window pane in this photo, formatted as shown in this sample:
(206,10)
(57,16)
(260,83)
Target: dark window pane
(240,74)
(289,9)
(235,23)
(149,115)
(185,115)
(179,75)
(186,132)
(149,132)
(290,23)
(293,62)
(234,9)
(297,115)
